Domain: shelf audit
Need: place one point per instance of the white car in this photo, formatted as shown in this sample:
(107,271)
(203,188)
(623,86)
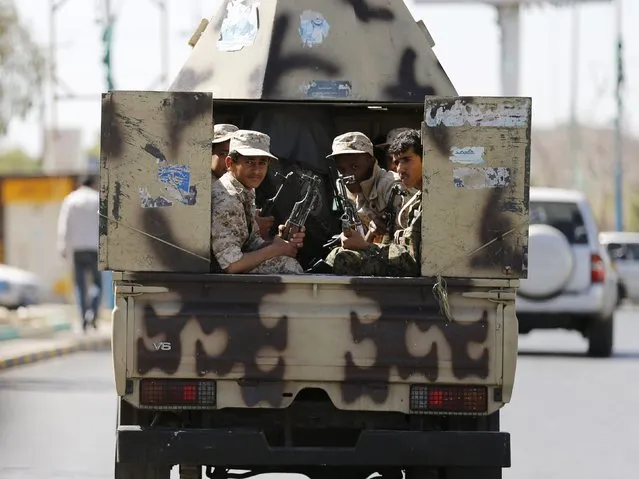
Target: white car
(623,247)
(571,283)
(18,287)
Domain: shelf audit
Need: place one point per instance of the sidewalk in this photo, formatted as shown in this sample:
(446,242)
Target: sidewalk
(47,331)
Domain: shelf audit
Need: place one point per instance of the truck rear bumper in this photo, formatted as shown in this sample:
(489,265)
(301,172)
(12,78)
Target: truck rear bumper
(246,448)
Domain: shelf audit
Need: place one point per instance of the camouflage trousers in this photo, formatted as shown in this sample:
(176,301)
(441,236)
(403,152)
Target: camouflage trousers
(278,265)
(388,260)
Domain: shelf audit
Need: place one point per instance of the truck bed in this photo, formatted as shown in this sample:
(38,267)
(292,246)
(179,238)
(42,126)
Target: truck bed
(263,339)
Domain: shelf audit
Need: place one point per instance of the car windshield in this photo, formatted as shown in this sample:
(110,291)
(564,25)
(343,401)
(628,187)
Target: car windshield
(566,217)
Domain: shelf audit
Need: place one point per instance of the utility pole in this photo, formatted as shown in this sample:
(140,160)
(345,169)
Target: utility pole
(574,143)
(619,223)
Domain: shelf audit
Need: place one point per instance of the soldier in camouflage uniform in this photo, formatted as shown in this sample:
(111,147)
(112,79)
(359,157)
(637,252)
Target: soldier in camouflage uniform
(220,149)
(353,155)
(401,257)
(235,240)
(222,134)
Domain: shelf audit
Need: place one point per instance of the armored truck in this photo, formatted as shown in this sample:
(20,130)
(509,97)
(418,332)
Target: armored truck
(235,375)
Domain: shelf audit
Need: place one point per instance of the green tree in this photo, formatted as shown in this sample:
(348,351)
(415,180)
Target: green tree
(16,161)
(22,67)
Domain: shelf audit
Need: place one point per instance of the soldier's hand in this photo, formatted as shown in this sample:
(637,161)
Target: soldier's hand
(284,248)
(354,241)
(378,227)
(297,238)
(265,224)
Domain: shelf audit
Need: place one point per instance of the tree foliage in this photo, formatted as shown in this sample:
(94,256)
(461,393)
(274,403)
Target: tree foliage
(16,161)
(22,67)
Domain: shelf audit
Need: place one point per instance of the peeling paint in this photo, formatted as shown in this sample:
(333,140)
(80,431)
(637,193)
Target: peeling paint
(155,152)
(469,155)
(147,201)
(117,194)
(239,27)
(313,28)
(481,178)
(177,181)
(465,113)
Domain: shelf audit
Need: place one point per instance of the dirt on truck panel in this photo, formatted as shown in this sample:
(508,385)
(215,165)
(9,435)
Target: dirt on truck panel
(263,339)
(309,50)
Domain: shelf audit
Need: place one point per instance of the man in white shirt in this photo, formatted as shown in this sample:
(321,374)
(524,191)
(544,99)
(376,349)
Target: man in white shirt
(78,240)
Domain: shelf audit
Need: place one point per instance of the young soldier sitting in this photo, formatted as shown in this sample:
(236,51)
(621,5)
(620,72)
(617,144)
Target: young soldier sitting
(357,257)
(235,239)
(222,135)
(353,155)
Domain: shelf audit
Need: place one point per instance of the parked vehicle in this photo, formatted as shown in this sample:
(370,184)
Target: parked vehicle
(18,287)
(571,282)
(623,247)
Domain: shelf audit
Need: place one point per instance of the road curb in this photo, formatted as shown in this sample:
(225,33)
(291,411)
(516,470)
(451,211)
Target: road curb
(88,344)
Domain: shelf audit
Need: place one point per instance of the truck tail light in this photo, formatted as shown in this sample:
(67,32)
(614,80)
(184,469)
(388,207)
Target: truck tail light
(177,393)
(597,269)
(448,399)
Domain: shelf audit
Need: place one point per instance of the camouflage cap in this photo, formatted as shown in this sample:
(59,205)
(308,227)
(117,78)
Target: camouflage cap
(251,143)
(223,132)
(392,134)
(351,142)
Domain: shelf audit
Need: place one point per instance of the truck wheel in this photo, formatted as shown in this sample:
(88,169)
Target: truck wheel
(189,471)
(142,471)
(600,336)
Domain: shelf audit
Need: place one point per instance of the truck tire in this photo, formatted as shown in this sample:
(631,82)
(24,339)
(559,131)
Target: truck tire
(142,471)
(600,338)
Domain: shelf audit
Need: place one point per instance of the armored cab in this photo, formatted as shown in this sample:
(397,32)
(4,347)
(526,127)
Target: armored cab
(325,375)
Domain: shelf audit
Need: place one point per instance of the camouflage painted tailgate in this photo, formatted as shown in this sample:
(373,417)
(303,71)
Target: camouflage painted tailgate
(363,341)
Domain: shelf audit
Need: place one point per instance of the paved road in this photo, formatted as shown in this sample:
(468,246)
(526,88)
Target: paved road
(571,417)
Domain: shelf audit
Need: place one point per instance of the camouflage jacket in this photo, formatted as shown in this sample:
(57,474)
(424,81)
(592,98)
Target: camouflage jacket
(375,194)
(234,229)
(410,222)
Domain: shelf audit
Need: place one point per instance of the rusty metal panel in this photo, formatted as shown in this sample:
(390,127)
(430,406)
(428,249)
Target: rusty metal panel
(476,186)
(337,50)
(155,193)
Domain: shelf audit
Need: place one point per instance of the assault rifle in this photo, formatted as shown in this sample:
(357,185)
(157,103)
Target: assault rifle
(389,214)
(303,207)
(350,219)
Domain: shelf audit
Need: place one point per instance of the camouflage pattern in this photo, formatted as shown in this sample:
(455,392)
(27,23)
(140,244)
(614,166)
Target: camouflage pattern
(361,340)
(155,197)
(251,143)
(223,132)
(391,59)
(399,258)
(352,142)
(234,230)
(376,192)
(391,136)
(476,173)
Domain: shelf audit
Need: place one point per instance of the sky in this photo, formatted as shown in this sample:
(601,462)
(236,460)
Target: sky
(466,42)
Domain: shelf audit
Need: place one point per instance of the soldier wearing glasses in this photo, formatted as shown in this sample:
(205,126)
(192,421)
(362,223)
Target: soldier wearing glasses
(235,237)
